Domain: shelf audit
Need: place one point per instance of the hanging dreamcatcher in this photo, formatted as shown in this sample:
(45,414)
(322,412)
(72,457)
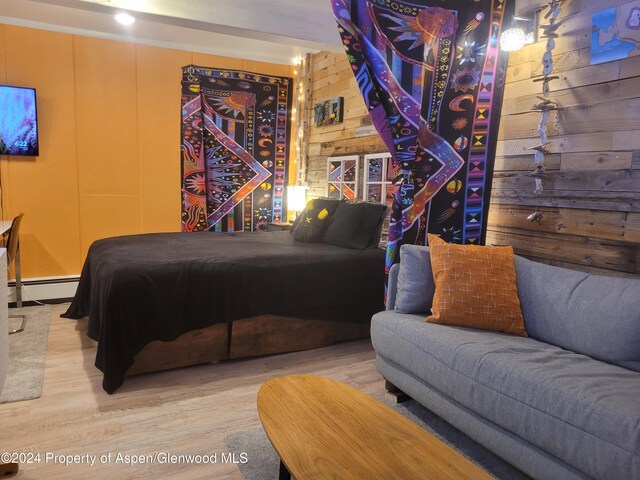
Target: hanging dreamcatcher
(545,106)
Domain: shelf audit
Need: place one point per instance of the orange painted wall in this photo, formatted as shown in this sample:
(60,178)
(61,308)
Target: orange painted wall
(109,120)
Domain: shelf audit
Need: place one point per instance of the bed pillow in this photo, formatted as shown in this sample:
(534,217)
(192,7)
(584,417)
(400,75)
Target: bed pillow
(475,287)
(355,225)
(329,201)
(312,223)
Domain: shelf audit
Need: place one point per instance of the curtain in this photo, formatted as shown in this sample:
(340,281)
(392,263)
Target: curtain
(432,77)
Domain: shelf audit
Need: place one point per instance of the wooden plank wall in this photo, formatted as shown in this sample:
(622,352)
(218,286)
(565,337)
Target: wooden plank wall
(332,77)
(591,199)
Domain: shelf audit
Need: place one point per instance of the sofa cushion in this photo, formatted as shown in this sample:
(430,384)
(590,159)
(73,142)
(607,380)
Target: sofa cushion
(392,287)
(590,314)
(415,285)
(580,410)
(475,287)
(530,460)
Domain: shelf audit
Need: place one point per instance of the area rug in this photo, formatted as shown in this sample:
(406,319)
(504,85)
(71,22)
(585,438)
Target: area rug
(27,352)
(263,461)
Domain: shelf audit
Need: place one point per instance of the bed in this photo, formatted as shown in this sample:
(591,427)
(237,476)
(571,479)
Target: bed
(217,296)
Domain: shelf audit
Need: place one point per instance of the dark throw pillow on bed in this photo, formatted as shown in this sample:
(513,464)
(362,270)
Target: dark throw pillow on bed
(330,203)
(311,224)
(356,225)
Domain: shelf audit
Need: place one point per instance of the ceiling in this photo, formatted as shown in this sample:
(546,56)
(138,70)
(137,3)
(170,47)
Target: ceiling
(266,30)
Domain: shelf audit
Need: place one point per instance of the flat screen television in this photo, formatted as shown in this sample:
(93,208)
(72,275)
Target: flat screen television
(18,121)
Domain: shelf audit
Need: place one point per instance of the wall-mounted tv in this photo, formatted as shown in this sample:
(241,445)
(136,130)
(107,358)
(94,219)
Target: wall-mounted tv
(18,121)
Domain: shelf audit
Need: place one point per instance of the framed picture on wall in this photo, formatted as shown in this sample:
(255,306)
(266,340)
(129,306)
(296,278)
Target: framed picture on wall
(342,177)
(329,112)
(379,176)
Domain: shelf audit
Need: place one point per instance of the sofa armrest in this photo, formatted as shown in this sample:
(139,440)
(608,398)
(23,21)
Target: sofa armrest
(392,286)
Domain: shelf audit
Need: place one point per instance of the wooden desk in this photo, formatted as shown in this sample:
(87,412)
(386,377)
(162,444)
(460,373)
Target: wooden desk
(4,346)
(323,429)
(5,226)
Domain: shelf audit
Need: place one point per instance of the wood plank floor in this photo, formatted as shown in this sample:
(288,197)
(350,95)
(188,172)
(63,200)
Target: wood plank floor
(184,411)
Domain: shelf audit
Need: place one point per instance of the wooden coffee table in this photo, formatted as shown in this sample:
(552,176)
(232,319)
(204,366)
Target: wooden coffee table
(325,429)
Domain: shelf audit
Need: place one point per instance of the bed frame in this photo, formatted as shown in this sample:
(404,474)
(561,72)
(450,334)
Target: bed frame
(250,337)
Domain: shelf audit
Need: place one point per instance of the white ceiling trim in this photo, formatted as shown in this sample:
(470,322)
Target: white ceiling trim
(308,23)
(240,49)
(161,31)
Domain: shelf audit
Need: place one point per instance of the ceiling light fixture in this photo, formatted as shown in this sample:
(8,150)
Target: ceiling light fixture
(512,39)
(521,32)
(125,19)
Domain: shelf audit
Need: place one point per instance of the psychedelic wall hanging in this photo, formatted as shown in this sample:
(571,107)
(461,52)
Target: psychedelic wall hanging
(432,77)
(235,149)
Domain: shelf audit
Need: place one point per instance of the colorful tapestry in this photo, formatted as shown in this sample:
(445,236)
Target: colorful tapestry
(432,77)
(235,149)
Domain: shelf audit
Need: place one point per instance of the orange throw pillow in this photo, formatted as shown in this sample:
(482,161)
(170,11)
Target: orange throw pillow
(475,287)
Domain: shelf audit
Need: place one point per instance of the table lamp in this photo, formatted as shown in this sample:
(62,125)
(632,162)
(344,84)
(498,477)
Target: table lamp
(296,198)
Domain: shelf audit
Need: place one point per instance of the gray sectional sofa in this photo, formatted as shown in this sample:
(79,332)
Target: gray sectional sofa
(563,403)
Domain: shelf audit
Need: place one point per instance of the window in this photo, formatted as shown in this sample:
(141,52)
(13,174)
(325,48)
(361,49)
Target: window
(379,178)
(342,177)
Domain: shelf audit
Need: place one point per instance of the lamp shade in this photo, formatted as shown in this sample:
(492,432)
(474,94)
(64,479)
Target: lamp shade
(296,197)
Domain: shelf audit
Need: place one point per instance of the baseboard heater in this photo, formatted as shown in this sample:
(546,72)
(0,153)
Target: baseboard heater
(46,289)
